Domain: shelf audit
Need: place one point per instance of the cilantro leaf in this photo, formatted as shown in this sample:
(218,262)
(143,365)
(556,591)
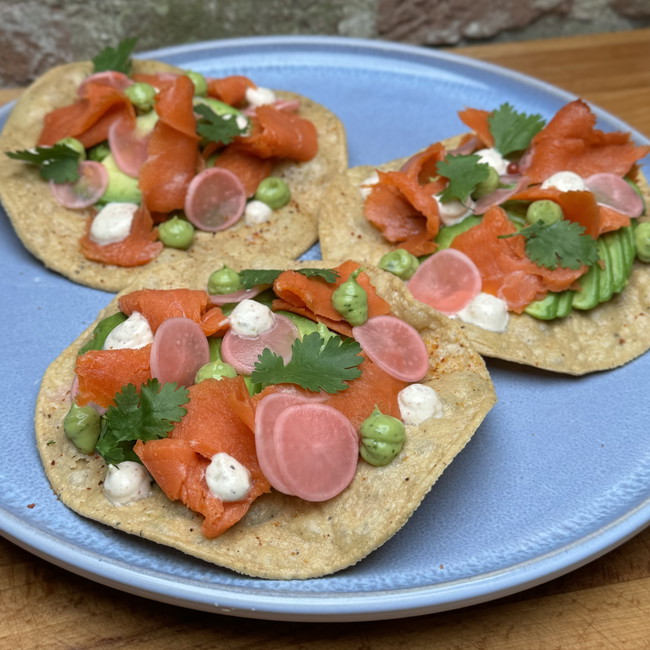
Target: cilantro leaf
(464,174)
(117,59)
(559,244)
(316,364)
(513,131)
(58,163)
(252,277)
(217,128)
(145,415)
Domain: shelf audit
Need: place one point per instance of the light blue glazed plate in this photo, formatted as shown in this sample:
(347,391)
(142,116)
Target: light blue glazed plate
(558,473)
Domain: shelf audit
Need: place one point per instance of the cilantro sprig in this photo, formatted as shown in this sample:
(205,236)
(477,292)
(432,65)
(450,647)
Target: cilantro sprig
(217,128)
(513,131)
(58,163)
(252,277)
(117,59)
(562,243)
(316,364)
(464,174)
(146,414)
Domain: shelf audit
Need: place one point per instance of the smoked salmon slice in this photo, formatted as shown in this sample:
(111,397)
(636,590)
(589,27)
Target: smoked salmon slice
(477,120)
(231,90)
(280,134)
(312,297)
(570,142)
(172,152)
(157,305)
(103,373)
(580,207)
(250,169)
(89,118)
(178,463)
(138,248)
(504,267)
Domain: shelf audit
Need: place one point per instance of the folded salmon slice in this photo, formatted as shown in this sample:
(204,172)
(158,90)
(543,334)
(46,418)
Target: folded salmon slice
(89,118)
(139,247)
(312,297)
(103,373)
(280,134)
(250,169)
(505,269)
(178,463)
(156,305)
(230,90)
(173,151)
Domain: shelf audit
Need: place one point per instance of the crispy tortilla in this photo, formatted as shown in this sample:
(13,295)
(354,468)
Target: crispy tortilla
(284,537)
(51,232)
(608,336)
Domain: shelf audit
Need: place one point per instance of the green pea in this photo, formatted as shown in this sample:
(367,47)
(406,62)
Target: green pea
(214,370)
(488,185)
(82,425)
(351,300)
(642,240)
(99,152)
(101,331)
(382,438)
(400,263)
(75,145)
(199,81)
(176,233)
(141,95)
(274,192)
(546,211)
(225,280)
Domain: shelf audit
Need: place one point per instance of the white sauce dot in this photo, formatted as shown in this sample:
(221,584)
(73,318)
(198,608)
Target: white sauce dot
(453,212)
(486,311)
(260,96)
(565,182)
(251,318)
(493,158)
(133,333)
(126,482)
(373,179)
(227,478)
(112,223)
(418,403)
(256,212)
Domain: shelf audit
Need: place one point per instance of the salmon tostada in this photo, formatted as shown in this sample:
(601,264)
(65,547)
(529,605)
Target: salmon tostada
(117,164)
(533,234)
(287,433)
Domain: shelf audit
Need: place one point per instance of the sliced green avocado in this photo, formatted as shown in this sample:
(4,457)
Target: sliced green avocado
(605,281)
(220,108)
(546,308)
(446,234)
(121,188)
(587,297)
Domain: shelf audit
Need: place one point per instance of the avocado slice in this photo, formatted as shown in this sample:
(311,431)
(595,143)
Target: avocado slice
(546,308)
(121,188)
(446,234)
(588,296)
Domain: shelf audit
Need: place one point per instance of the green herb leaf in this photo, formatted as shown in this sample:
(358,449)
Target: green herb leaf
(217,128)
(562,243)
(252,277)
(58,163)
(513,131)
(464,174)
(117,59)
(145,415)
(316,364)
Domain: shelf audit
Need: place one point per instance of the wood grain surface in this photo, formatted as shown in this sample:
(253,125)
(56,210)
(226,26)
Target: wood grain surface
(605,604)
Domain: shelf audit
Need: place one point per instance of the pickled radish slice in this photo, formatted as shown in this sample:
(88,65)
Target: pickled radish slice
(84,192)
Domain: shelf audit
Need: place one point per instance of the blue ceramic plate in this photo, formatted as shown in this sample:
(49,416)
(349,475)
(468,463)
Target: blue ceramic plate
(558,474)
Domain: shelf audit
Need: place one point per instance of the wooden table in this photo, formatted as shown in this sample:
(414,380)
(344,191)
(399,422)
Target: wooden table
(605,604)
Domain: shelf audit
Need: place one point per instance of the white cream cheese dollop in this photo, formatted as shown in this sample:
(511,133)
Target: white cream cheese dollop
(418,403)
(112,223)
(452,212)
(565,182)
(486,311)
(126,482)
(493,158)
(251,318)
(133,333)
(259,96)
(227,478)
(256,212)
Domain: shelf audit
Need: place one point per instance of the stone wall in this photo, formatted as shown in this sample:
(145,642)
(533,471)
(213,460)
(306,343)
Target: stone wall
(35,35)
